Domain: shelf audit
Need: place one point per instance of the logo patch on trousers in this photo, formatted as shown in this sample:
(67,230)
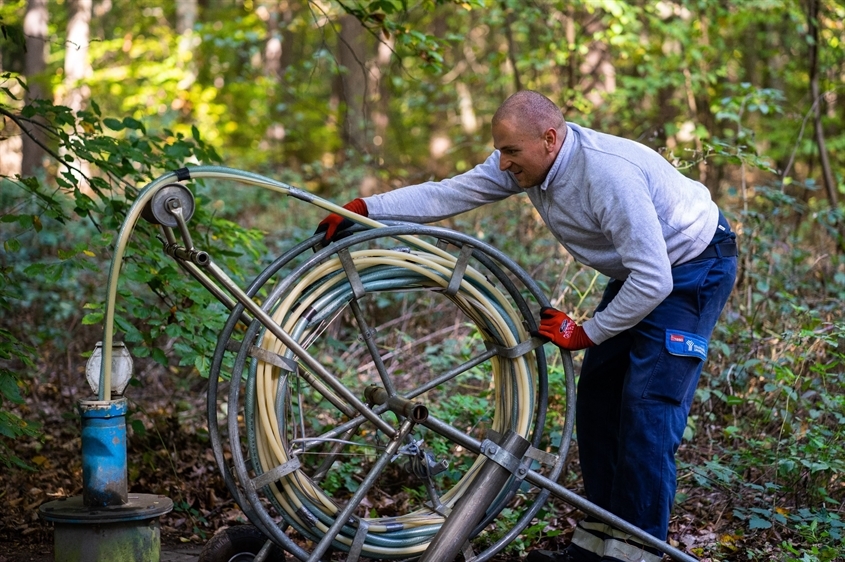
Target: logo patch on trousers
(685,344)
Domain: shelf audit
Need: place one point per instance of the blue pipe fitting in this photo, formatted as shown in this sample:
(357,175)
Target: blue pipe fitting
(105,524)
(104,465)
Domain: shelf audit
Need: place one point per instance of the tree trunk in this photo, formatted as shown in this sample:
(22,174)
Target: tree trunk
(272,56)
(278,49)
(813,10)
(77,67)
(598,75)
(380,93)
(509,21)
(352,82)
(572,60)
(35,61)
(186,16)
(469,122)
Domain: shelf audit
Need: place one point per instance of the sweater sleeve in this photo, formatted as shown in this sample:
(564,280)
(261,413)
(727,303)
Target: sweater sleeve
(435,200)
(623,207)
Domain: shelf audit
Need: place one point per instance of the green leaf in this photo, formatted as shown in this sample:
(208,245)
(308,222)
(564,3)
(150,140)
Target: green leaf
(7,430)
(132,334)
(132,123)
(113,124)
(159,356)
(9,388)
(138,427)
(202,364)
(92,318)
(174,330)
(759,523)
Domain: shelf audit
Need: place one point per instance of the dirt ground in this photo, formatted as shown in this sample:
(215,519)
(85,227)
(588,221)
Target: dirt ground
(170,454)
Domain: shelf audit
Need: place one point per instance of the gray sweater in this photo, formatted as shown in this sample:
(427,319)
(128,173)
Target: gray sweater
(615,205)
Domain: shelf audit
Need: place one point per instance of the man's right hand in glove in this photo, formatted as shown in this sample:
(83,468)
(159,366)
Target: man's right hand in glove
(333,224)
(561,330)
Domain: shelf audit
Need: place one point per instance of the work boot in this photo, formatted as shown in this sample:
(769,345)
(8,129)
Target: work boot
(571,553)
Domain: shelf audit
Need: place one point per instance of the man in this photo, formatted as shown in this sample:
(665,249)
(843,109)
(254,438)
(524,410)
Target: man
(621,208)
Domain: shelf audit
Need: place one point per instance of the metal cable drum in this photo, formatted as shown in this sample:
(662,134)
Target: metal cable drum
(279,415)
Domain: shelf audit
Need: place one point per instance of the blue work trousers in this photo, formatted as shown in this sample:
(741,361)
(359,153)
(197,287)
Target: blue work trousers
(635,393)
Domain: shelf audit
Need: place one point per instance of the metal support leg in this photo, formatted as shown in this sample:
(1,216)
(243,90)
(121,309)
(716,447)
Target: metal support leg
(449,541)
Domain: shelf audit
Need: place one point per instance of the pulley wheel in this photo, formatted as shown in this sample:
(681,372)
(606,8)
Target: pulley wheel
(157,210)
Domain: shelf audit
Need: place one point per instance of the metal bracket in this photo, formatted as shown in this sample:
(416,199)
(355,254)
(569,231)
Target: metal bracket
(367,334)
(459,270)
(503,458)
(263,355)
(543,457)
(468,552)
(516,351)
(440,508)
(351,273)
(358,541)
(275,474)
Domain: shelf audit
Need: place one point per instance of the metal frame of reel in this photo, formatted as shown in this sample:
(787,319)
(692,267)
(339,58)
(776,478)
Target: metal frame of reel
(246,488)
(170,204)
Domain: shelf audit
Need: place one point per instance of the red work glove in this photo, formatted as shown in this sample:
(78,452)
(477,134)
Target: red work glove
(562,330)
(334,223)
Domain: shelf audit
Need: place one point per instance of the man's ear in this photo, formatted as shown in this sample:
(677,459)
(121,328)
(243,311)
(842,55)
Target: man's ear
(550,139)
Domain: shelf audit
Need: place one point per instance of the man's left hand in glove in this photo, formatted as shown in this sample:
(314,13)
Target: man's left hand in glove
(334,224)
(562,330)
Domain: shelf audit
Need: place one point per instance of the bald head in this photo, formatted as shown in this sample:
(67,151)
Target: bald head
(528,131)
(532,110)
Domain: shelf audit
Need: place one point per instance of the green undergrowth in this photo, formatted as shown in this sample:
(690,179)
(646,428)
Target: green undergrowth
(765,445)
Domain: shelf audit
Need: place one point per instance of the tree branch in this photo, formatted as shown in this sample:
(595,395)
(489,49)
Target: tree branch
(20,122)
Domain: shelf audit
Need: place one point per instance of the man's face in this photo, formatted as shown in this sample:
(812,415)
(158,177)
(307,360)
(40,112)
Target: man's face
(524,154)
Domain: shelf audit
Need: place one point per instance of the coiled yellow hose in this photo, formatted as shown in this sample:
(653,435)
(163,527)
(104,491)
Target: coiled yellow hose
(512,381)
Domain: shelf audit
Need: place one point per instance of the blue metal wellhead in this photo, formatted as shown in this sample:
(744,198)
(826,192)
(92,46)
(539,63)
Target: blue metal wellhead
(104,467)
(106,524)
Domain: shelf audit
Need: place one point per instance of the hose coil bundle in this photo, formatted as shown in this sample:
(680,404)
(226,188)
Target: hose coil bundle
(317,295)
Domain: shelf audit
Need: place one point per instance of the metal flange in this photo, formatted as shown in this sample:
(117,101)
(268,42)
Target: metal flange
(73,510)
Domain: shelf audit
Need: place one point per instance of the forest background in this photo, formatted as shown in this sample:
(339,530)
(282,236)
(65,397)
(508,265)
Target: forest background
(350,98)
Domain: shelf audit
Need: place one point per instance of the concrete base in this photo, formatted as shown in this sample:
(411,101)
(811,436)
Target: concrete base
(129,532)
